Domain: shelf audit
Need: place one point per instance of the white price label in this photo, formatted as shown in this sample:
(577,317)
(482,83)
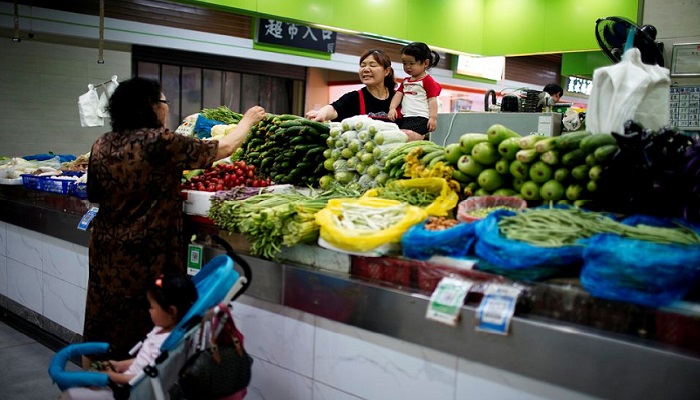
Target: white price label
(447,300)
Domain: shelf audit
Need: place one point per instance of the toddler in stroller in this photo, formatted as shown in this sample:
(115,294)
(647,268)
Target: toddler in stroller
(217,282)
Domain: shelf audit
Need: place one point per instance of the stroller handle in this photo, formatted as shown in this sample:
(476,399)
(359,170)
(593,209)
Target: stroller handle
(68,379)
(247,272)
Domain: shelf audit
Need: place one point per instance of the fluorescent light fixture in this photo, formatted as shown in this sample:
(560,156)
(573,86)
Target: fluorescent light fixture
(481,67)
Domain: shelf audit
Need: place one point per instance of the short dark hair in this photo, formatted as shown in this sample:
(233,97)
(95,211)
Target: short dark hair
(131,104)
(174,290)
(553,88)
(385,61)
(421,52)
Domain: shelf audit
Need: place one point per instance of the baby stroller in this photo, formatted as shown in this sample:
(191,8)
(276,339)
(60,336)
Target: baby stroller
(217,282)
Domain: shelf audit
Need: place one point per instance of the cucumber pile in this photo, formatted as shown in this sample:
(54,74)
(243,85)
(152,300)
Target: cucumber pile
(287,149)
(562,169)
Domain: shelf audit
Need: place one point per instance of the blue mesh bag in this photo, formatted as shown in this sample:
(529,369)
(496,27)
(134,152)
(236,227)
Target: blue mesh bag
(639,271)
(520,259)
(420,243)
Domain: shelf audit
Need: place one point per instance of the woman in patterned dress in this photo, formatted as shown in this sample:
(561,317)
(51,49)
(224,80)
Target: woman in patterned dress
(134,174)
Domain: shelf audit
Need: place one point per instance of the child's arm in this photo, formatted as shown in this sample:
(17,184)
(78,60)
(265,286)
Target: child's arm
(119,378)
(433,109)
(395,102)
(121,366)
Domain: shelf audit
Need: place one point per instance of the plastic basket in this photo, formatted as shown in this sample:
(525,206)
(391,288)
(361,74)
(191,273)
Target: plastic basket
(78,189)
(471,204)
(32,182)
(59,186)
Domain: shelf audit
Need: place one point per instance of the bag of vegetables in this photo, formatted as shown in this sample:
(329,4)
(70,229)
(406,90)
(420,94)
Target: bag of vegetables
(361,225)
(434,195)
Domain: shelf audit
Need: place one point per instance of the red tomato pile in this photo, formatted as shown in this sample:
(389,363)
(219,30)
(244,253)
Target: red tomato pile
(226,176)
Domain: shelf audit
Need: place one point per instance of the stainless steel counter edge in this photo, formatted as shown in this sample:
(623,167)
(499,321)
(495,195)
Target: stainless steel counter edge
(592,362)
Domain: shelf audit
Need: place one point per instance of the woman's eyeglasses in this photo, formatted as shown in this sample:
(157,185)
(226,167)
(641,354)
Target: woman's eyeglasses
(164,101)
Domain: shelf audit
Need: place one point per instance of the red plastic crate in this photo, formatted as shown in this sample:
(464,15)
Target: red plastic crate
(386,269)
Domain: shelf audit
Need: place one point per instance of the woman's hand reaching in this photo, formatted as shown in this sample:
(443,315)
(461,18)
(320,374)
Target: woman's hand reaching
(252,116)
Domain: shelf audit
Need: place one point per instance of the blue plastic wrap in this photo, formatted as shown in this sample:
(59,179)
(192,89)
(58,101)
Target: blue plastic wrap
(420,243)
(639,271)
(520,257)
(202,127)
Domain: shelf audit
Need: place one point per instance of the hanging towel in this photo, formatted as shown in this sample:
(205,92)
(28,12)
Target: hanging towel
(88,106)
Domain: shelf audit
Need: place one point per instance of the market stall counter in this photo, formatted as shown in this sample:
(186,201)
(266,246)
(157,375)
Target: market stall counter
(562,342)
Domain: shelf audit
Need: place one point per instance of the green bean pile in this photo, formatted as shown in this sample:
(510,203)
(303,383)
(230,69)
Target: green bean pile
(558,227)
(414,196)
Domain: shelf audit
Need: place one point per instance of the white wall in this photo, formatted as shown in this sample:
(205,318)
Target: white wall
(676,21)
(40,83)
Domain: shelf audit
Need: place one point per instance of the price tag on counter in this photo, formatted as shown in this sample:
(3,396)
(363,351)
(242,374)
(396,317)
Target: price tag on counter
(496,309)
(87,218)
(194,258)
(447,300)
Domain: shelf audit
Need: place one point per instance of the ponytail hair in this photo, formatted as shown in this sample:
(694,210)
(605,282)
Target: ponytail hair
(421,52)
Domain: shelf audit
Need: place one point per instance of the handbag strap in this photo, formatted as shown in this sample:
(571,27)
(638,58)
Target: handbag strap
(224,327)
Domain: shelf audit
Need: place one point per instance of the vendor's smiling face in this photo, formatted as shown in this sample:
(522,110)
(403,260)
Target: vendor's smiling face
(371,72)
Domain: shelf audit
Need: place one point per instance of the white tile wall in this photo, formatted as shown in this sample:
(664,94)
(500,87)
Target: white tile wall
(3,238)
(273,382)
(377,367)
(284,338)
(3,275)
(3,258)
(24,285)
(64,303)
(45,274)
(323,392)
(24,246)
(65,261)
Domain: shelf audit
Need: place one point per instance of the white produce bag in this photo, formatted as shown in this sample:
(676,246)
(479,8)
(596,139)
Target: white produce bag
(108,88)
(628,90)
(88,107)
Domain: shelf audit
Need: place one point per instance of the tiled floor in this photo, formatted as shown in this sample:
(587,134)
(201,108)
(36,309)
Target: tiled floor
(24,367)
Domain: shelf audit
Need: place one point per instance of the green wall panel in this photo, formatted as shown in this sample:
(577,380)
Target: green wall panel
(450,25)
(571,24)
(514,27)
(583,63)
(385,18)
(242,5)
(487,27)
(298,10)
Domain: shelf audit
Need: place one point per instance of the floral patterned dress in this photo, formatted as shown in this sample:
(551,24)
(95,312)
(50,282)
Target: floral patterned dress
(137,233)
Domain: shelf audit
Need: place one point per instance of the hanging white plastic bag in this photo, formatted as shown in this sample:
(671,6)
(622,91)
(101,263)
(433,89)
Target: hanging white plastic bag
(628,90)
(108,88)
(88,106)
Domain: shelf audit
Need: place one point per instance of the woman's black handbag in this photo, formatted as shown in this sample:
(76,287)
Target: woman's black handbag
(220,366)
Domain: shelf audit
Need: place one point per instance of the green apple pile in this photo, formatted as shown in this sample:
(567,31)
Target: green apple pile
(536,168)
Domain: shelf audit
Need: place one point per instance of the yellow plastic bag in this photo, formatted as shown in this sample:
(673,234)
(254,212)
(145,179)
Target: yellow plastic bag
(361,240)
(441,206)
